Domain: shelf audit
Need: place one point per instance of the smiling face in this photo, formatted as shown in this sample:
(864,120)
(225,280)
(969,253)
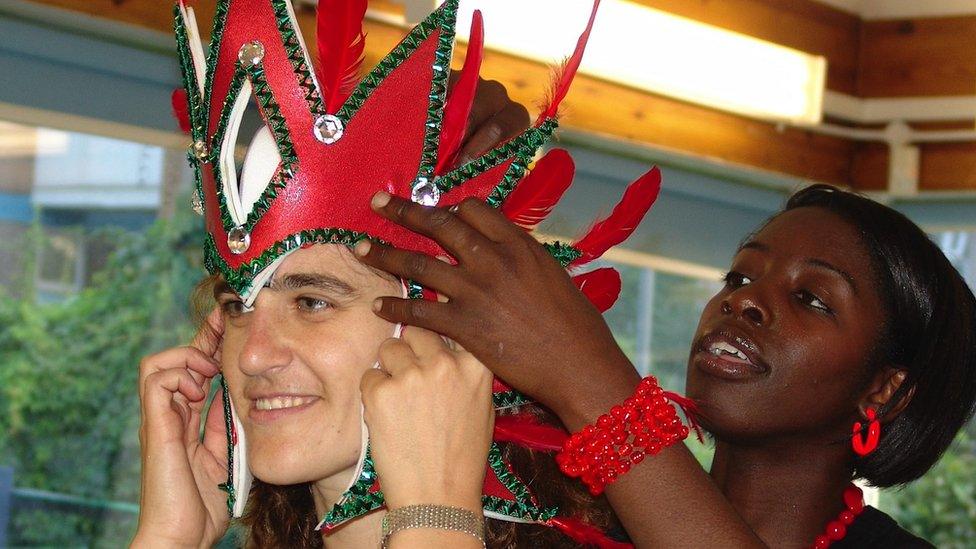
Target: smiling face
(293,364)
(784,348)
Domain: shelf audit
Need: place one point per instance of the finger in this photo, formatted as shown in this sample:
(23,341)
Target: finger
(432,315)
(487,220)
(421,268)
(190,358)
(457,237)
(371,380)
(424,343)
(210,334)
(396,356)
(163,386)
(505,124)
(215,428)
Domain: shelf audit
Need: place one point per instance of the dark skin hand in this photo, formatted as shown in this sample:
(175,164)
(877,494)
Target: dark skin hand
(781,422)
(494,119)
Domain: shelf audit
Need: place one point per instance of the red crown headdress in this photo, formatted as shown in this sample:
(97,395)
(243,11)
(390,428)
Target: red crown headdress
(330,141)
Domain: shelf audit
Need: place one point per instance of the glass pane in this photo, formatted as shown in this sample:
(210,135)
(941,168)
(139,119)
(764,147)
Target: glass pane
(91,279)
(654,321)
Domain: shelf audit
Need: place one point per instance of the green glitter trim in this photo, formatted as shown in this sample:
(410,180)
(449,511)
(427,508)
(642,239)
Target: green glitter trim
(197,172)
(509,399)
(394,59)
(358,500)
(293,47)
(517,169)
(438,90)
(525,506)
(563,253)
(216,37)
(197,111)
(240,280)
(517,510)
(275,122)
(229,425)
(414,290)
(522,149)
(236,84)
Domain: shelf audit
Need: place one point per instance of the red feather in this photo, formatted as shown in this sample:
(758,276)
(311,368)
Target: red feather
(525,430)
(690,408)
(601,287)
(585,534)
(535,196)
(622,222)
(459,101)
(342,48)
(181,109)
(564,75)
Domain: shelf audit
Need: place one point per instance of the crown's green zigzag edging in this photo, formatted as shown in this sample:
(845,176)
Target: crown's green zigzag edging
(240,279)
(437,97)
(197,109)
(216,37)
(275,122)
(293,47)
(189,73)
(229,425)
(509,399)
(524,507)
(358,500)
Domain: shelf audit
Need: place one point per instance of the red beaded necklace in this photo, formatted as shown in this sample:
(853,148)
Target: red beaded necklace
(837,528)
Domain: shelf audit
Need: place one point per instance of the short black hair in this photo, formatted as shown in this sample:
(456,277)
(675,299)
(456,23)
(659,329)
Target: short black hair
(930,331)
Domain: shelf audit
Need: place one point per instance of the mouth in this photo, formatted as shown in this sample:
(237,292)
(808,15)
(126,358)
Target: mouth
(267,408)
(729,355)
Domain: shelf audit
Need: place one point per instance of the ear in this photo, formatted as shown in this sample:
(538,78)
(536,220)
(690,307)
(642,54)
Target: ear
(882,389)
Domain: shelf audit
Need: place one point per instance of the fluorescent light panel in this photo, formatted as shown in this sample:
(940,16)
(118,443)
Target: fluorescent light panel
(662,53)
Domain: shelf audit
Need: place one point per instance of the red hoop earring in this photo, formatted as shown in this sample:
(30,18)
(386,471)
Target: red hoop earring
(861,446)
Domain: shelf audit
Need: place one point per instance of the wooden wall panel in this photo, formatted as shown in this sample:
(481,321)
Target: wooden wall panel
(948,167)
(869,167)
(918,57)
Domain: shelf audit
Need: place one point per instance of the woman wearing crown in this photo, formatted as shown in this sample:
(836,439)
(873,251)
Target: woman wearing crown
(286,445)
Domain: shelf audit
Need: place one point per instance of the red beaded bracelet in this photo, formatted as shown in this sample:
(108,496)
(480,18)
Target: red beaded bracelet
(643,425)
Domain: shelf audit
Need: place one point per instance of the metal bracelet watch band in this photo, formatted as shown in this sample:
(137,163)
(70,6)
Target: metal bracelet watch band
(440,517)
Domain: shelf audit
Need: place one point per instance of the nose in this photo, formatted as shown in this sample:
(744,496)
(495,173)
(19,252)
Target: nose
(745,305)
(266,346)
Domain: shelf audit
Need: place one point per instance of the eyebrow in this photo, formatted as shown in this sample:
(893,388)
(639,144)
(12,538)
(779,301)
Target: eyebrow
(324,282)
(221,288)
(819,263)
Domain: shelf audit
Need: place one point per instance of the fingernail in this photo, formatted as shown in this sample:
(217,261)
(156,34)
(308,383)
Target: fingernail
(377,305)
(381,199)
(362,248)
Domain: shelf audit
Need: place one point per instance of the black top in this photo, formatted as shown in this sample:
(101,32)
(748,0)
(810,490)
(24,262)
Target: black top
(873,528)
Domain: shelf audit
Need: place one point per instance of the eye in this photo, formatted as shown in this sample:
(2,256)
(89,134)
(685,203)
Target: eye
(233,307)
(735,279)
(312,304)
(812,301)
